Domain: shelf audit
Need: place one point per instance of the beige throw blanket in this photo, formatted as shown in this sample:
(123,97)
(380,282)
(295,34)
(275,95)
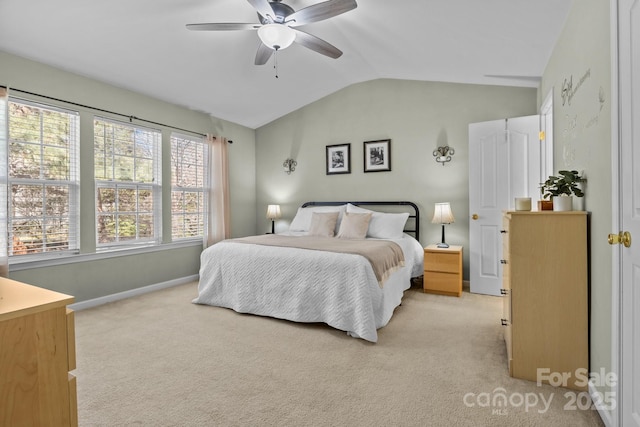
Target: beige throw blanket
(385,256)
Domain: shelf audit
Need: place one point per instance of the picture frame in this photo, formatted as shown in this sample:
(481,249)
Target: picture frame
(338,159)
(377,155)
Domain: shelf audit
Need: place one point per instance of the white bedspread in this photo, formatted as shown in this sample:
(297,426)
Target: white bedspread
(302,285)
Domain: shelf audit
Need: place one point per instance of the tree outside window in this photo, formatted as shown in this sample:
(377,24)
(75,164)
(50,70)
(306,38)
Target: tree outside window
(43,179)
(188,208)
(126,161)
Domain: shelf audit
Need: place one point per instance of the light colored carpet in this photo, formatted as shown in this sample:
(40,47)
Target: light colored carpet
(159,360)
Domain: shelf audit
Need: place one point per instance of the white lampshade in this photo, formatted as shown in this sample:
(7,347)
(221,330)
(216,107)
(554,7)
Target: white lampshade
(442,214)
(276,36)
(273,211)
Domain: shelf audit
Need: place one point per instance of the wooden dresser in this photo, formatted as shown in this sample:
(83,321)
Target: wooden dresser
(37,351)
(546,291)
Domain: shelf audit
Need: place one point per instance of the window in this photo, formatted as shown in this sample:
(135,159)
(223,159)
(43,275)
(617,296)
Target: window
(188,165)
(127,173)
(43,179)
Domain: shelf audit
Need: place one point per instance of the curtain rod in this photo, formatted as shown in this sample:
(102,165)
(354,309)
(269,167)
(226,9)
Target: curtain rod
(131,118)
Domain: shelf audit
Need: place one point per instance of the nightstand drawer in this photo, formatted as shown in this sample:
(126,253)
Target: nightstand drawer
(443,262)
(443,283)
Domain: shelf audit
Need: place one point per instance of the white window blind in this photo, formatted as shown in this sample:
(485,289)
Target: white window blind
(128,184)
(188,167)
(43,179)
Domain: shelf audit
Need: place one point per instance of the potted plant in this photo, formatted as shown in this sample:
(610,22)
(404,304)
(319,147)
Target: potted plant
(561,188)
(543,203)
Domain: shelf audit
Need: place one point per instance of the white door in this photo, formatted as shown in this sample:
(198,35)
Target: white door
(504,163)
(629,96)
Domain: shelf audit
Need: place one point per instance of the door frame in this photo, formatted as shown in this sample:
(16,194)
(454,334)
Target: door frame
(546,118)
(613,418)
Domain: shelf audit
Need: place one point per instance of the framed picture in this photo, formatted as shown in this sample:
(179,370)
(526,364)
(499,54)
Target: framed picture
(338,159)
(377,155)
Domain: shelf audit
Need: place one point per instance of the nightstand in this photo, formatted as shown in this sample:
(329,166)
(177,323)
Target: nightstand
(443,270)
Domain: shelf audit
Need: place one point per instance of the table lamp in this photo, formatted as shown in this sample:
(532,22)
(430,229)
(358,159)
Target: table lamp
(442,215)
(273,213)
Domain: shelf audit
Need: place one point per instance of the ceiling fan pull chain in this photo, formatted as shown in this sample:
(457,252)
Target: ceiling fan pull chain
(275,62)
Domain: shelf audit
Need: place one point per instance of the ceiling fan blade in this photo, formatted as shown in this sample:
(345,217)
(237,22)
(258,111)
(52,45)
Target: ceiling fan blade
(222,26)
(263,7)
(316,44)
(263,54)
(320,11)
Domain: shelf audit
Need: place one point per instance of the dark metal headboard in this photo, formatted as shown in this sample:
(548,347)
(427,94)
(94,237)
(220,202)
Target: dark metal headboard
(412,206)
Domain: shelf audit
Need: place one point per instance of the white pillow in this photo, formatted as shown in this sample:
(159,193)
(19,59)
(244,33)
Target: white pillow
(383,225)
(354,225)
(323,224)
(302,220)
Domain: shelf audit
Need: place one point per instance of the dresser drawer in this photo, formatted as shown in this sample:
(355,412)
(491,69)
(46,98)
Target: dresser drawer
(73,401)
(71,340)
(505,238)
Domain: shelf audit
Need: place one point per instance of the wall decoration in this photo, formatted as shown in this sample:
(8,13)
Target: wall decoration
(377,155)
(568,91)
(338,159)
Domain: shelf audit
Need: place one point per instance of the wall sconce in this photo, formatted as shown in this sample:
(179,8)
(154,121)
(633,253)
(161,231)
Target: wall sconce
(289,166)
(443,154)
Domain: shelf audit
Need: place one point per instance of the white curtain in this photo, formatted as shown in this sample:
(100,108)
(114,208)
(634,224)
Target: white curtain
(218,226)
(4,138)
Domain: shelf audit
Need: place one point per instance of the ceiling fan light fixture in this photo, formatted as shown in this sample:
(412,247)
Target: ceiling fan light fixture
(276,36)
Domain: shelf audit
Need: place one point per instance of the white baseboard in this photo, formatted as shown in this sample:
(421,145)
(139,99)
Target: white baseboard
(131,293)
(596,396)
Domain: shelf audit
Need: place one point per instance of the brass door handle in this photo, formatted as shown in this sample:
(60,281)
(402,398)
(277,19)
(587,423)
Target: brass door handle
(474,217)
(620,238)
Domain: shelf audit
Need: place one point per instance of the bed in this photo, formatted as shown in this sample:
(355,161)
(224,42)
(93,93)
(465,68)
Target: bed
(347,290)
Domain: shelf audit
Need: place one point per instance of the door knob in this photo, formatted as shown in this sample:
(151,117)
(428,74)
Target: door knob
(620,238)
(474,217)
(625,239)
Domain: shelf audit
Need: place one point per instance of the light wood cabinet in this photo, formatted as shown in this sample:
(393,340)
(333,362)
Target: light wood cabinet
(443,270)
(37,351)
(545,288)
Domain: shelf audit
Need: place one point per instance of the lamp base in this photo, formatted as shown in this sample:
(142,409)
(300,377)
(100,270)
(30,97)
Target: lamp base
(442,244)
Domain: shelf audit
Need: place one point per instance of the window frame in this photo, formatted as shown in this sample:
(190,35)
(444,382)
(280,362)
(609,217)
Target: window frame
(72,184)
(202,212)
(154,186)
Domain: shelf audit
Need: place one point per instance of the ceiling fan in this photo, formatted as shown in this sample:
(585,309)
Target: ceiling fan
(277,31)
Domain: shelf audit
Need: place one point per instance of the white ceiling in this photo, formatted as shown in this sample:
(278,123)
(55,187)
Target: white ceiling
(143,46)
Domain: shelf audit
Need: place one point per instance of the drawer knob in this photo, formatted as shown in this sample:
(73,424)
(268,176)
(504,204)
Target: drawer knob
(503,231)
(503,261)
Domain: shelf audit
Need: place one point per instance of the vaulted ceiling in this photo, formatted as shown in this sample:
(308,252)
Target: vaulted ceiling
(143,45)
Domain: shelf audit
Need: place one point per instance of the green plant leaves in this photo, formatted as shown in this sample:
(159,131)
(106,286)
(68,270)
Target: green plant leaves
(566,183)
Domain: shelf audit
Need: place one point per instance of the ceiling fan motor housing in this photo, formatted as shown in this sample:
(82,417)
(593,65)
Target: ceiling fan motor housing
(280,11)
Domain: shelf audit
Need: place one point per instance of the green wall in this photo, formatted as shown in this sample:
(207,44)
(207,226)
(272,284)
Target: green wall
(579,74)
(417,116)
(95,278)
